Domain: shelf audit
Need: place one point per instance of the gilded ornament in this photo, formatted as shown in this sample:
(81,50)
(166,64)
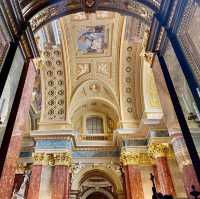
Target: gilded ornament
(38,158)
(158,150)
(64,159)
(128,59)
(129,49)
(128,90)
(134,158)
(128,69)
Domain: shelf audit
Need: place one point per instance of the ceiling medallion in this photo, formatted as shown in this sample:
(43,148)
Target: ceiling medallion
(89,5)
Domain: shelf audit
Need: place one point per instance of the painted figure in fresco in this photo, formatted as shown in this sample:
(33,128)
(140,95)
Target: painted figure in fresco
(92,40)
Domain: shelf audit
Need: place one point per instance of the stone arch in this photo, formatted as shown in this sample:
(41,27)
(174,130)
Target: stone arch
(40,14)
(108,172)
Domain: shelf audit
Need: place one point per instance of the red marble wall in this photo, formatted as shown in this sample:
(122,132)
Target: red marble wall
(8,174)
(164,176)
(60,182)
(34,185)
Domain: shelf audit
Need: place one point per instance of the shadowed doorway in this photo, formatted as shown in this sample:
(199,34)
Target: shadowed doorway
(97,195)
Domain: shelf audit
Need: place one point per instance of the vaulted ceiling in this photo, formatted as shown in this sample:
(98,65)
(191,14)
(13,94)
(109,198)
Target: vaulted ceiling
(94,63)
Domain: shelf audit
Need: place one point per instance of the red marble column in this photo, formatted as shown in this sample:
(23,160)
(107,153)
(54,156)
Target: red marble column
(34,185)
(164,176)
(8,174)
(184,162)
(157,182)
(60,182)
(127,183)
(189,179)
(135,182)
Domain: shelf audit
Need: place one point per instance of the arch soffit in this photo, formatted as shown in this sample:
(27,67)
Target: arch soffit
(41,13)
(110,100)
(110,173)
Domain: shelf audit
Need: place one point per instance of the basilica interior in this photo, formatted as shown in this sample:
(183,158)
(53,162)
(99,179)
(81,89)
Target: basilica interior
(99,99)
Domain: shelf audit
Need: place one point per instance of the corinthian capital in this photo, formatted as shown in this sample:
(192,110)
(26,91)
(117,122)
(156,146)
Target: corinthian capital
(64,159)
(158,150)
(134,158)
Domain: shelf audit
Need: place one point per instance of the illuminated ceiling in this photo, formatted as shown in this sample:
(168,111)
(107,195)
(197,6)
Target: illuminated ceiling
(94,64)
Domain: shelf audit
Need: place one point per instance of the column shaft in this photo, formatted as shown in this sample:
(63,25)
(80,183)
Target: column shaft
(164,176)
(135,182)
(8,174)
(127,183)
(60,184)
(34,186)
(157,182)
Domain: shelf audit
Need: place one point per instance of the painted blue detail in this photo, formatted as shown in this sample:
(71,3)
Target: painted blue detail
(80,154)
(53,144)
(25,154)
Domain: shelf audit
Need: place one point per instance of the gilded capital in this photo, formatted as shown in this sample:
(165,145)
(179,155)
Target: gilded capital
(21,167)
(158,150)
(38,158)
(134,158)
(64,159)
(52,159)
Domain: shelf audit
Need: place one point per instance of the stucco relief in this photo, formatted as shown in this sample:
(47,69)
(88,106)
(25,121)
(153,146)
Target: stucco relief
(53,84)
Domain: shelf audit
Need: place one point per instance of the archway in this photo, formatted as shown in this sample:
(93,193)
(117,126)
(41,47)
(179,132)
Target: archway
(97,195)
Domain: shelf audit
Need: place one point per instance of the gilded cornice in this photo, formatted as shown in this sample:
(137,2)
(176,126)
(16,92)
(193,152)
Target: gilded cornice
(52,159)
(134,158)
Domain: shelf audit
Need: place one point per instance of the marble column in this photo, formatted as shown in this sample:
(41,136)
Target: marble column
(8,174)
(61,176)
(34,186)
(159,152)
(184,163)
(131,162)
(127,184)
(155,173)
